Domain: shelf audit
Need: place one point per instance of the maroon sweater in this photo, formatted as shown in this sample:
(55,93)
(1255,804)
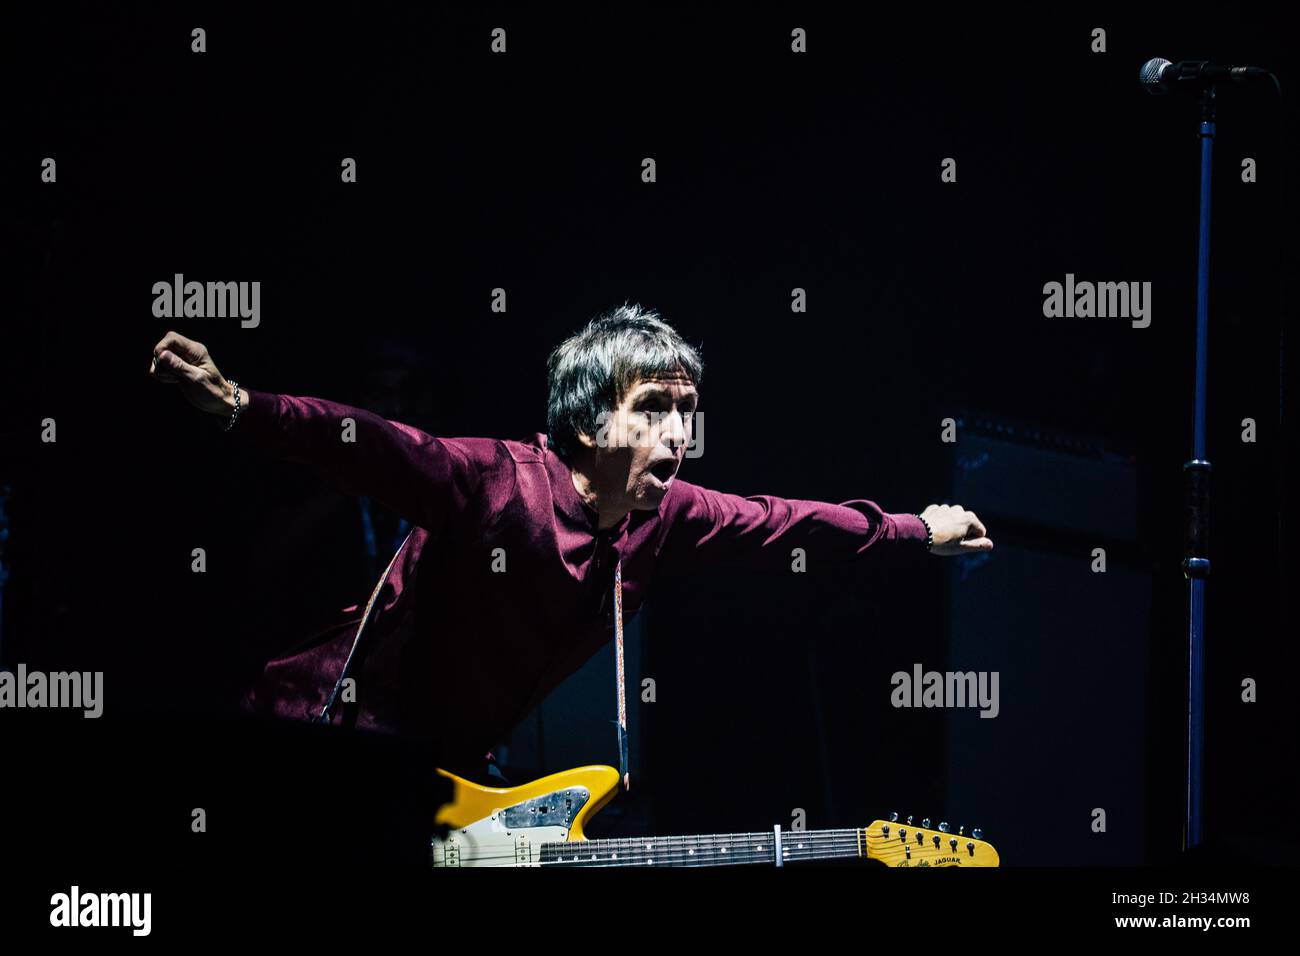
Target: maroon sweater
(460,652)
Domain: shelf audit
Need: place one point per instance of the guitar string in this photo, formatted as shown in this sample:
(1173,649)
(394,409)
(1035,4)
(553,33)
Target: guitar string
(789,838)
(746,857)
(847,833)
(743,858)
(839,848)
(759,843)
(845,847)
(704,859)
(766,859)
(641,846)
(686,855)
(821,840)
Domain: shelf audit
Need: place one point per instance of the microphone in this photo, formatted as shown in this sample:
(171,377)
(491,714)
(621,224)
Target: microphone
(1158,75)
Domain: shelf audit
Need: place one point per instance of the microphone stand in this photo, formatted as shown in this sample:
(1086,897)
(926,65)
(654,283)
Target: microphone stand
(1196,476)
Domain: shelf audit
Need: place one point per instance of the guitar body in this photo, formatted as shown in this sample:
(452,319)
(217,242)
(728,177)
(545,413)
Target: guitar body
(505,826)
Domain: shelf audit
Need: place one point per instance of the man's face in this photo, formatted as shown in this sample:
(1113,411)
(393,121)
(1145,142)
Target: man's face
(640,446)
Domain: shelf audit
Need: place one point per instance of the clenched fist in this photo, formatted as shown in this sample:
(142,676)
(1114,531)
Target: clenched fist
(956,530)
(187,364)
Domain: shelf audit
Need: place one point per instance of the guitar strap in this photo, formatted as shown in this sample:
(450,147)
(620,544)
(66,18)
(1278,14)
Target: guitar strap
(350,717)
(619,676)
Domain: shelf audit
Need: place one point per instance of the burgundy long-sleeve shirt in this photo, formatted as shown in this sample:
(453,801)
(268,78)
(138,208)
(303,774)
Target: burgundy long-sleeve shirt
(465,639)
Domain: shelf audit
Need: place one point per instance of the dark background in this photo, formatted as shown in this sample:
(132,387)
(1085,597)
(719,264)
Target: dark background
(775,171)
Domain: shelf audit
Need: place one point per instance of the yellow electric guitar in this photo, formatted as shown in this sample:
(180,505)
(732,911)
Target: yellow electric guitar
(540,824)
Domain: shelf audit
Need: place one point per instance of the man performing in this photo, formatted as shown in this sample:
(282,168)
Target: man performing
(507,584)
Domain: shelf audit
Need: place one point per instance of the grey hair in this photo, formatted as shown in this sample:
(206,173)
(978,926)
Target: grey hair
(592,371)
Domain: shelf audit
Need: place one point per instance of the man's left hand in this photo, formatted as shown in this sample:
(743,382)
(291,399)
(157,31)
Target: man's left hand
(956,530)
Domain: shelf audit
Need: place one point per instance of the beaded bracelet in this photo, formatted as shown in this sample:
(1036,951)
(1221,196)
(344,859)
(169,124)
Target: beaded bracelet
(235,414)
(929,533)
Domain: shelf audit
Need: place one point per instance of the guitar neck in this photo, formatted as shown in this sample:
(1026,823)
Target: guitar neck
(718,849)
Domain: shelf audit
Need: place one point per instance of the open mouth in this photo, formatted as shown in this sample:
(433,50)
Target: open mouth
(663,470)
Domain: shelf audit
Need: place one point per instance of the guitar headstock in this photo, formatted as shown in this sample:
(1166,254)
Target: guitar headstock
(897,842)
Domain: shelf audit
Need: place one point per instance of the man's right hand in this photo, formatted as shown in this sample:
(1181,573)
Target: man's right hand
(185,363)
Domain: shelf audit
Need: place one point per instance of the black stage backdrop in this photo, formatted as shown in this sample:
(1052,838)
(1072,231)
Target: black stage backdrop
(776,171)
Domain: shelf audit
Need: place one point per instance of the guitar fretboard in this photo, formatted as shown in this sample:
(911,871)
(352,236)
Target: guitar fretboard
(719,849)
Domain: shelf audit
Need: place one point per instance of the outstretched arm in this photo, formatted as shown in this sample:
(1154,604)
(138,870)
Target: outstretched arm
(413,474)
(761,531)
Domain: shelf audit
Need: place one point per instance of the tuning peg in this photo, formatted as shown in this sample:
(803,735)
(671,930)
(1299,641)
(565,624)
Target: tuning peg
(961,830)
(893,817)
(926,823)
(943,826)
(909,819)
(953,843)
(970,847)
(936,841)
(977,833)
